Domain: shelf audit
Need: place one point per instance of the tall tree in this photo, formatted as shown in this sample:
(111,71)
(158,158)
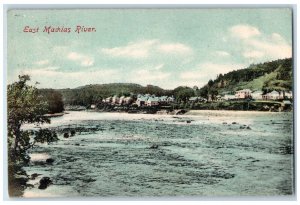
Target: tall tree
(25,105)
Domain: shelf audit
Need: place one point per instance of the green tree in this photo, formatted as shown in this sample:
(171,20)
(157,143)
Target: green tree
(25,105)
(183,93)
(54,100)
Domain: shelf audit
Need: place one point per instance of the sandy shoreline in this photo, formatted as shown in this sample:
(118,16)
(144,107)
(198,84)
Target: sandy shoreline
(226,112)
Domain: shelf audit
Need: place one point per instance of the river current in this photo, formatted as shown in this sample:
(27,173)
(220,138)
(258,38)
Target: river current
(202,153)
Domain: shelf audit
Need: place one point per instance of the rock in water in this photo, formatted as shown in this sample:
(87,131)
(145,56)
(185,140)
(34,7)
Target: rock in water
(73,133)
(34,175)
(49,161)
(66,135)
(154,146)
(229,176)
(45,182)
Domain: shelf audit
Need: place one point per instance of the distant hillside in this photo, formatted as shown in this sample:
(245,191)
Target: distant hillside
(85,95)
(275,75)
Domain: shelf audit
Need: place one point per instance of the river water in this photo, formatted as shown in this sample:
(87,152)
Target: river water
(202,153)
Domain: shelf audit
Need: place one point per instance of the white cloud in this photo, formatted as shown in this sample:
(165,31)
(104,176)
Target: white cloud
(132,50)
(270,48)
(256,45)
(222,53)
(208,70)
(277,37)
(42,62)
(149,76)
(191,74)
(159,67)
(146,48)
(243,31)
(203,72)
(253,54)
(57,79)
(84,60)
(174,48)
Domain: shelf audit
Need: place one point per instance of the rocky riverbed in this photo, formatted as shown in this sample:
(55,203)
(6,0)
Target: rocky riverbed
(202,153)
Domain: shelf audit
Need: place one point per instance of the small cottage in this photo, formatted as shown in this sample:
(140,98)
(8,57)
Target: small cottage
(242,94)
(152,101)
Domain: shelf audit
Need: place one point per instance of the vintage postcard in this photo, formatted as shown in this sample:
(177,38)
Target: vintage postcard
(150,102)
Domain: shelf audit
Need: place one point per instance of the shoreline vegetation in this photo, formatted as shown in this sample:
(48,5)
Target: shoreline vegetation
(176,109)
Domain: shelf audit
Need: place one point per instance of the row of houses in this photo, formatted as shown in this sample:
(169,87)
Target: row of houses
(142,100)
(152,100)
(258,95)
(115,100)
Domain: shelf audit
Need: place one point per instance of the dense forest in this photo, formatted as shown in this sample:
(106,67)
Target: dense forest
(275,75)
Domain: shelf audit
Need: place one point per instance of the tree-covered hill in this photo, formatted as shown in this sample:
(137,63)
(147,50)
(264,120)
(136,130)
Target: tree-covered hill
(268,76)
(89,94)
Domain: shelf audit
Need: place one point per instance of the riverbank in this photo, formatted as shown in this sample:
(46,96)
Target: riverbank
(181,108)
(56,114)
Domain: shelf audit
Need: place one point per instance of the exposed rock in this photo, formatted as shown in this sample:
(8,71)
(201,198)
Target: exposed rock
(228,176)
(45,182)
(234,123)
(66,135)
(224,123)
(21,179)
(249,128)
(88,180)
(154,146)
(34,175)
(73,132)
(188,121)
(29,185)
(77,144)
(49,161)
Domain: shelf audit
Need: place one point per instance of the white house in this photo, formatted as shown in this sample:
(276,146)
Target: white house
(163,99)
(257,95)
(274,95)
(121,100)
(141,100)
(170,99)
(152,101)
(288,94)
(229,97)
(115,100)
(107,100)
(242,94)
(128,100)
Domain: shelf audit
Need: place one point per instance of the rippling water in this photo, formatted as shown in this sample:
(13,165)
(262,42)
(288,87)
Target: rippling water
(204,153)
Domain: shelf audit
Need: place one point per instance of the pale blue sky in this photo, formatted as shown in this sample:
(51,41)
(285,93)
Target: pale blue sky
(164,47)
